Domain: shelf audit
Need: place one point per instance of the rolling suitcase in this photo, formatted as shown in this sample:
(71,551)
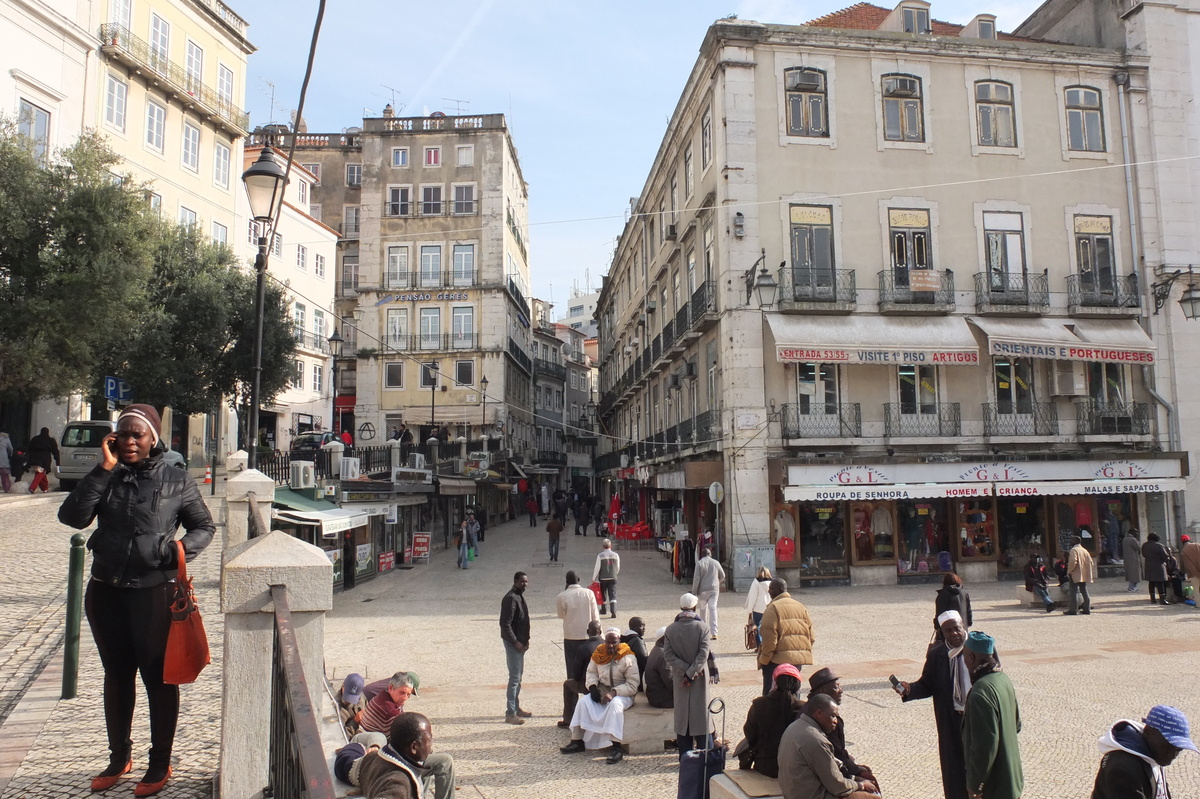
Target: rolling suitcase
(699,765)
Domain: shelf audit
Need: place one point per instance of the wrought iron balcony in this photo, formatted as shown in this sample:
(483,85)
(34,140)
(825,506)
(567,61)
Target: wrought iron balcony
(517,354)
(703,305)
(834,288)
(1115,295)
(903,419)
(432,342)
(541,366)
(118,44)
(708,429)
(916,291)
(311,341)
(821,420)
(395,279)
(1000,291)
(550,457)
(1112,419)
(1017,419)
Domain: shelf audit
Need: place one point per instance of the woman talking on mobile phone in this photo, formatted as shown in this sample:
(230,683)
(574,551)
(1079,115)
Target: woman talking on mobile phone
(138,503)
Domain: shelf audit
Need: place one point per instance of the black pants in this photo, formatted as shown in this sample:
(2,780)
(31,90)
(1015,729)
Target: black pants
(130,627)
(533,520)
(608,593)
(1161,587)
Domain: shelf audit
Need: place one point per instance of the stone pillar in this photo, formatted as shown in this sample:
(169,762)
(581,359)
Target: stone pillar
(238,500)
(250,569)
(236,461)
(397,453)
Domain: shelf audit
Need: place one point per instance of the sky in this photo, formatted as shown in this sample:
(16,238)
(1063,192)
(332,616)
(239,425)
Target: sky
(588,90)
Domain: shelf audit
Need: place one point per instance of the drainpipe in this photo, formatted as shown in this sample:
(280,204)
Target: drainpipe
(1172,519)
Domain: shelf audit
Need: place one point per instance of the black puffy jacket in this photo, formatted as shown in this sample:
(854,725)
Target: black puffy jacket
(138,509)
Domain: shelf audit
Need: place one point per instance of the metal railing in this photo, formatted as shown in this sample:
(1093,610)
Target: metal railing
(817,285)
(1103,418)
(1091,292)
(278,465)
(347,288)
(905,419)
(704,300)
(708,428)
(117,41)
(311,341)
(520,356)
(607,461)
(821,420)
(1001,288)
(430,280)
(372,459)
(550,457)
(1007,419)
(349,230)
(298,767)
(541,366)
(895,287)
(432,342)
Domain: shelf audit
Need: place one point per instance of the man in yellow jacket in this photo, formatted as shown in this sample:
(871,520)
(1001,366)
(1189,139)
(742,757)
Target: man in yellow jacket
(1081,570)
(787,633)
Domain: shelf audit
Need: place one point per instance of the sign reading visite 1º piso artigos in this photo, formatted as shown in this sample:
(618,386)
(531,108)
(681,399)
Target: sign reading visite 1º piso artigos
(905,356)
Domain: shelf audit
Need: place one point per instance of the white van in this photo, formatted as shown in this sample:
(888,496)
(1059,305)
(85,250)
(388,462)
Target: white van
(79,449)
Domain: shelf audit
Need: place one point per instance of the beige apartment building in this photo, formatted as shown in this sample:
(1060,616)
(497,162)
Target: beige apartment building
(879,283)
(433,275)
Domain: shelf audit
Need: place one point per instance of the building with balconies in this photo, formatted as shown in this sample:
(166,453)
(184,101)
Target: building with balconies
(868,289)
(549,459)
(301,258)
(433,274)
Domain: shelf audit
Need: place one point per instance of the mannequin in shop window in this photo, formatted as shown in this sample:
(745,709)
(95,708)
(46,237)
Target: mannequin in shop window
(863,547)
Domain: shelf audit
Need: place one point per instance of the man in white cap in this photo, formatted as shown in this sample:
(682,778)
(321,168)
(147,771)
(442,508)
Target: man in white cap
(612,682)
(686,651)
(1135,754)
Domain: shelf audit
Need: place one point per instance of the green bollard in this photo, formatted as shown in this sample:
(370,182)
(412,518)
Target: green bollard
(74,617)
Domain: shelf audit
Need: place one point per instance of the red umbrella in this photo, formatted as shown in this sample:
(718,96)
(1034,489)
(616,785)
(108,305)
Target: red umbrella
(614,508)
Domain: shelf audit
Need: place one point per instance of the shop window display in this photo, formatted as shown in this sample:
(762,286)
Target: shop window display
(924,539)
(822,542)
(1022,531)
(873,528)
(976,529)
(1075,515)
(1115,513)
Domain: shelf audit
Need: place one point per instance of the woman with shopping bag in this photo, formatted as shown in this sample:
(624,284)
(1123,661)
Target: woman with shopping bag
(138,503)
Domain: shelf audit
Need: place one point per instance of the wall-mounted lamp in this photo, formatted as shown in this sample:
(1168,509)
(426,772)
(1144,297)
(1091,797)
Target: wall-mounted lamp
(739,225)
(1189,300)
(763,283)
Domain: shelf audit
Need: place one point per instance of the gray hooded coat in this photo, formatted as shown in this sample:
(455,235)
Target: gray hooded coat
(686,649)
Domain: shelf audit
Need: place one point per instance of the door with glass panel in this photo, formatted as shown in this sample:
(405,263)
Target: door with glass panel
(812,253)
(1096,261)
(1015,401)
(817,409)
(1004,240)
(909,230)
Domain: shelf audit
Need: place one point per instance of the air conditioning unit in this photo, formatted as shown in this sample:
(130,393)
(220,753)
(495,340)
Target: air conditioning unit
(804,80)
(903,87)
(689,370)
(403,474)
(651,306)
(1070,379)
(351,468)
(675,381)
(416,460)
(304,475)
(671,232)
(460,465)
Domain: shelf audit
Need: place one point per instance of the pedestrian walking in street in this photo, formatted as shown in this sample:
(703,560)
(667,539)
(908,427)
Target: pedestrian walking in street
(991,722)
(1135,755)
(1131,549)
(553,531)
(1154,556)
(598,516)
(945,678)
(134,565)
(583,517)
(757,599)
(706,584)
(1081,570)
(43,456)
(531,507)
(1189,557)
(465,538)
(514,632)
(686,652)
(787,633)
(952,596)
(6,451)
(608,566)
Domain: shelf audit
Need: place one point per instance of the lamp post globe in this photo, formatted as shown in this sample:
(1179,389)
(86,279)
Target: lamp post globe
(767,288)
(1190,302)
(264,181)
(483,387)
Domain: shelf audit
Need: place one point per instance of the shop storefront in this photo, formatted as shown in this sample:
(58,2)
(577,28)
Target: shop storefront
(681,499)
(910,522)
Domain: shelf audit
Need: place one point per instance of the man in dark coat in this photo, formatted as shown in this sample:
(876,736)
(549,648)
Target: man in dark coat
(824,681)
(686,650)
(1131,552)
(945,679)
(657,679)
(43,454)
(514,632)
(1153,553)
(635,640)
(1136,754)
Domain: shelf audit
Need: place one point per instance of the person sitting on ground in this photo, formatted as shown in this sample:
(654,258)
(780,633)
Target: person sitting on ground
(1035,581)
(612,682)
(633,639)
(660,691)
(807,766)
(347,759)
(576,683)
(1135,754)
(439,777)
(769,716)
(397,770)
(383,708)
(824,681)
(351,704)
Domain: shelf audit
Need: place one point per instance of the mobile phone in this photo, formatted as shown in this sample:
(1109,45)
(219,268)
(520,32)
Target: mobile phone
(895,684)
(112,445)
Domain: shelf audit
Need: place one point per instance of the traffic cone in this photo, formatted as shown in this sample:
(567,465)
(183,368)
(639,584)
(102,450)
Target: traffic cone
(207,475)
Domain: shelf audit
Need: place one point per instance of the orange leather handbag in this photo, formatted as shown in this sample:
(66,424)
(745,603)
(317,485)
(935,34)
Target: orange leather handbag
(187,644)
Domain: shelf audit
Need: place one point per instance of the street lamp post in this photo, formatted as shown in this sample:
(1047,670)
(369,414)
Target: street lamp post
(433,373)
(483,386)
(335,350)
(265,181)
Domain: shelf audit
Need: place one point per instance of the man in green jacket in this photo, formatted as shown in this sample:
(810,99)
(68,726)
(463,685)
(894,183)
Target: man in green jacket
(991,722)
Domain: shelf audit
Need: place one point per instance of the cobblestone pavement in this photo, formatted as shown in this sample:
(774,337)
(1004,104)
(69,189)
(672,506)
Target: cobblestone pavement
(1074,676)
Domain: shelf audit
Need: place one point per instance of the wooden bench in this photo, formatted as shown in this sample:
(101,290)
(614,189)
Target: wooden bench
(648,729)
(738,784)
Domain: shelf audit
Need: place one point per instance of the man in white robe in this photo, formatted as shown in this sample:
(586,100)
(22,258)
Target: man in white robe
(612,682)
